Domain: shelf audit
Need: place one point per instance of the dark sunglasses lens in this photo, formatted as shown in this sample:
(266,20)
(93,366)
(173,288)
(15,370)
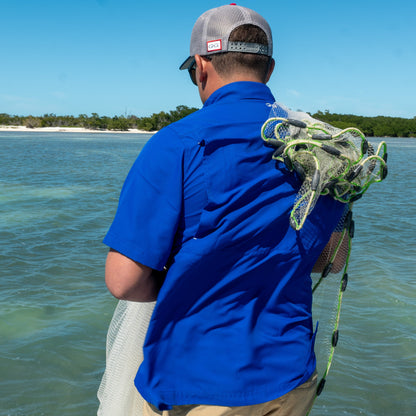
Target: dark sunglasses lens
(192,73)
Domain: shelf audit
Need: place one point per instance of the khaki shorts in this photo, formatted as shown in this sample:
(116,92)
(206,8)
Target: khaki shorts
(295,403)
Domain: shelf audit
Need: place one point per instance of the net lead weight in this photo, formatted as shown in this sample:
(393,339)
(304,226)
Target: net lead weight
(344,282)
(320,387)
(297,123)
(275,143)
(335,338)
(327,270)
(321,136)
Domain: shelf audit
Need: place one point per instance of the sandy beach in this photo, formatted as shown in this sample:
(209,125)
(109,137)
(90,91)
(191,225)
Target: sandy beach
(69,130)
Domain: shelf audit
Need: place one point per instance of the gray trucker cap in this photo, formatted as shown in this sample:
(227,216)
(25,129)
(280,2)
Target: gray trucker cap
(213,28)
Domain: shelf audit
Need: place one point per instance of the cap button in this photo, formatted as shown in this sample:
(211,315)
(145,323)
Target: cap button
(233,4)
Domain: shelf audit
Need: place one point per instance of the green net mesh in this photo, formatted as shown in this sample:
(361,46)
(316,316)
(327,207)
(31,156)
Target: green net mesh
(329,161)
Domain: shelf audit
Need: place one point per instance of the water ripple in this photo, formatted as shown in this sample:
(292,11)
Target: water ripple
(58,194)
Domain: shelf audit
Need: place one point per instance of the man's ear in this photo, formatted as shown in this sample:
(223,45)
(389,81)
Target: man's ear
(270,71)
(202,68)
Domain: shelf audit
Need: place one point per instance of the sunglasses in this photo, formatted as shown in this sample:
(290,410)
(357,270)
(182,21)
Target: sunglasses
(192,69)
(192,72)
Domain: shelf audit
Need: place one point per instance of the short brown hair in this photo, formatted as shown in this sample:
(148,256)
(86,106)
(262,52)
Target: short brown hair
(229,62)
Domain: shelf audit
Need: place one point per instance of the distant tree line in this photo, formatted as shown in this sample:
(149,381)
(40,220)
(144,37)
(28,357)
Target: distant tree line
(379,126)
(96,122)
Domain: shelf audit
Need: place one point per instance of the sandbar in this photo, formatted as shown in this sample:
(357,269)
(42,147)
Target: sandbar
(69,130)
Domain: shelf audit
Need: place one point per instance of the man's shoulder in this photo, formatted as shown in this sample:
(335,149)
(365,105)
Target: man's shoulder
(187,129)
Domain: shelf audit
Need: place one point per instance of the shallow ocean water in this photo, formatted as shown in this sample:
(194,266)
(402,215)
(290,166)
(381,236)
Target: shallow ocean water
(58,195)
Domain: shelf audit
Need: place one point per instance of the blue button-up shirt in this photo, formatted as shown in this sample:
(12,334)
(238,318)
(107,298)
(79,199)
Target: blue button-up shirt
(232,324)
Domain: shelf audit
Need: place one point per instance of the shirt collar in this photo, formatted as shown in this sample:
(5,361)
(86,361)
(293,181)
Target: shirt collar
(239,91)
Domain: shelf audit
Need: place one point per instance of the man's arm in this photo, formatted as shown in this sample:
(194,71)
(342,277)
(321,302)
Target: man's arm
(127,279)
(338,262)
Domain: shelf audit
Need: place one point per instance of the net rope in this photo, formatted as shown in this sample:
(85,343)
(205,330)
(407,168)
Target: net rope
(329,161)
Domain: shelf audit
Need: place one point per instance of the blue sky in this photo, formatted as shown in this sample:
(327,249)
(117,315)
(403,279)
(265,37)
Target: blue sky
(116,57)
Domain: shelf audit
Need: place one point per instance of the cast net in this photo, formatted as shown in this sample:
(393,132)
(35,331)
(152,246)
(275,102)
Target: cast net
(341,163)
(125,338)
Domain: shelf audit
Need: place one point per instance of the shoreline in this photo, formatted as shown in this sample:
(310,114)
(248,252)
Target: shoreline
(69,130)
(24,129)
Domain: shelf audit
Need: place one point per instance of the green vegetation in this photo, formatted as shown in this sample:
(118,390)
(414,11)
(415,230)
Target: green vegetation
(95,122)
(379,126)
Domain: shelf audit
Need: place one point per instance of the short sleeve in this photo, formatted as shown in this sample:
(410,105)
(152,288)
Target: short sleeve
(150,203)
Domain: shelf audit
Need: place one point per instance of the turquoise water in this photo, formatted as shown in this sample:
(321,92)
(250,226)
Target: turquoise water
(58,195)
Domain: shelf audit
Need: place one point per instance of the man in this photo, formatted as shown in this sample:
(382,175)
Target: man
(231,332)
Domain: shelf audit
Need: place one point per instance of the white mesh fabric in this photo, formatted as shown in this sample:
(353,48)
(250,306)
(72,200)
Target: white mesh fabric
(117,393)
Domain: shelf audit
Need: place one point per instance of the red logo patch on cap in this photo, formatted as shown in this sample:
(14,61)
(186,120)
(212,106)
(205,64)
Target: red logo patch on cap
(214,45)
